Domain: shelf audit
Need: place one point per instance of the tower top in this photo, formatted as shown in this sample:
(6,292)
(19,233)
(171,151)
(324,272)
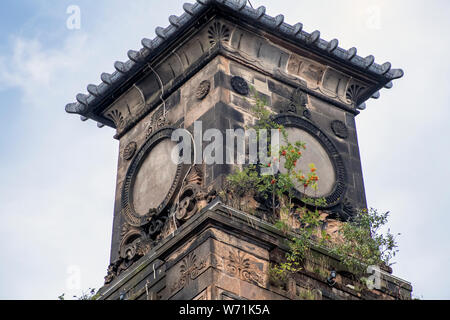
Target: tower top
(147,59)
(193,82)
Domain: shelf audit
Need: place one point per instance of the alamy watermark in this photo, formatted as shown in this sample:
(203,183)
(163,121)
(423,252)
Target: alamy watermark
(190,148)
(73,280)
(373,15)
(374,280)
(73,22)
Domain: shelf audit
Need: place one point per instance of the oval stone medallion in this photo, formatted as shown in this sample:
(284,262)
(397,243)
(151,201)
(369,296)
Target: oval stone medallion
(314,153)
(154,178)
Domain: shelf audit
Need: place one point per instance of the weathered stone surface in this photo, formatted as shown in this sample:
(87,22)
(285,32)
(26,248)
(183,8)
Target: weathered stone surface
(229,259)
(155,177)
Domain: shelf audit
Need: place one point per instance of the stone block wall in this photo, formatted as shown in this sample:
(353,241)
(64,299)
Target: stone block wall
(225,254)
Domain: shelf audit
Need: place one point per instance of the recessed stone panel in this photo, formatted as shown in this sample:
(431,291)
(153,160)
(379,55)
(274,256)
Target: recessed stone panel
(154,178)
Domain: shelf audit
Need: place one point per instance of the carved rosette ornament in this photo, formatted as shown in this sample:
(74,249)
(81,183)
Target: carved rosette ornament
(239,85)
(203,90)
(129,150)
(340,129)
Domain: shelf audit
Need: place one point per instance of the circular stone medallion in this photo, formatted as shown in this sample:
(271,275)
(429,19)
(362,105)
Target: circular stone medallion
(203,90)
(239,85)
(151,180)
(320,151)
(129,150)
(154,178)
(316,154)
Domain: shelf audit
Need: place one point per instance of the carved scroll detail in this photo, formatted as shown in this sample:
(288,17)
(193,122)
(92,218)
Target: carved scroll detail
(192,197)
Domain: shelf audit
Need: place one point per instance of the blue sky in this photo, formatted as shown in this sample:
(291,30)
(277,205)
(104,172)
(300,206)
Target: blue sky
(58,173)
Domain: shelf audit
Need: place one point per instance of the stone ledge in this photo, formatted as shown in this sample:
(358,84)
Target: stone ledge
(241,227)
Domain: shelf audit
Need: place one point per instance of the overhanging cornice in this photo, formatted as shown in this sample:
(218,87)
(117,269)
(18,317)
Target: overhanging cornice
(127,73)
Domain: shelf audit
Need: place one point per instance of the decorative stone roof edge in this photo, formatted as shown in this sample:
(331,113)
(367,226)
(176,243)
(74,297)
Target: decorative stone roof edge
(86,103)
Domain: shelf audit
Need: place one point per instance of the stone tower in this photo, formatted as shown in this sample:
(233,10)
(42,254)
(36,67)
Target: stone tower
(174,236)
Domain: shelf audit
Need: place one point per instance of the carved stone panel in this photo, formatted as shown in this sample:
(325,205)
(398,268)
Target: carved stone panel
(129,150)
(189,269)
(238,263)
(241,265)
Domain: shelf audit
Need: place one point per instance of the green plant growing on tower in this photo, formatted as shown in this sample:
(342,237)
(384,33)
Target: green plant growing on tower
(361,243)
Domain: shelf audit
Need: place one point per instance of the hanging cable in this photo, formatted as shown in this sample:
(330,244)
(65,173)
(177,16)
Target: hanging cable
(162,90)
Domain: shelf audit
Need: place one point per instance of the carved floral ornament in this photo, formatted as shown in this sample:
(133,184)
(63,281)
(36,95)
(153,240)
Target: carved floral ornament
(241,265)
(130,150)
(203,90)
(135,243)
(155,124)
(237,264)
(340,129)
(118,119)
(239,85)
(353,93)
(190,268)
(192,196)
(218,33)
